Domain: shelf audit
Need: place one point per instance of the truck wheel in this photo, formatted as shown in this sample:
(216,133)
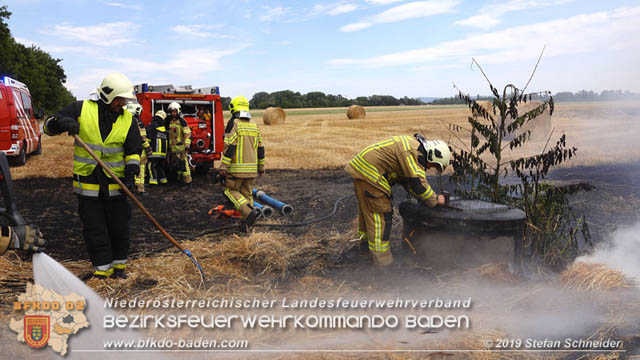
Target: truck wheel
(21,159)
(39,148)
(202,169)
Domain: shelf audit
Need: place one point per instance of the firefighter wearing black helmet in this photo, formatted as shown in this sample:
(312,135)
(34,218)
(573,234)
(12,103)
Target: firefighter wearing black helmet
(243,160)
(396,160)
(110,131)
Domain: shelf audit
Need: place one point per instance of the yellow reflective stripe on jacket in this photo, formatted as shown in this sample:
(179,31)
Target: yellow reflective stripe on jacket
(160,150)
(110,150)
(415,169)
(426,194)
(93,190)
(132,159)
(370,172)
(226,160)
(231,139)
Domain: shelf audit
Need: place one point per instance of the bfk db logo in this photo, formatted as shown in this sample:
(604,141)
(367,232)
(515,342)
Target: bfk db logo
(36,330)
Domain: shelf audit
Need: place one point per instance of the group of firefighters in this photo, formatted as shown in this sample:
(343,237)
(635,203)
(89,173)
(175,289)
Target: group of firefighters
(165,141)
(110,125)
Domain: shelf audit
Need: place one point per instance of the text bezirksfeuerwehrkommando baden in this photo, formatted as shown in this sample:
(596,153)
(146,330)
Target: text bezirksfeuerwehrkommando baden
(286,303)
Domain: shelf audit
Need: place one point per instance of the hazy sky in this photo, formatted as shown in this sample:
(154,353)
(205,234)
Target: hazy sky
(351,47)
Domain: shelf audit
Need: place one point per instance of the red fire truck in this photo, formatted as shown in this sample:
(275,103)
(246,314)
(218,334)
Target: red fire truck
(201,109)
(19,128)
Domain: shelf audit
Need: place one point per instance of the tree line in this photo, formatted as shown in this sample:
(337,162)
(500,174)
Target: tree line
(36,68)
(289,99)
(564,96)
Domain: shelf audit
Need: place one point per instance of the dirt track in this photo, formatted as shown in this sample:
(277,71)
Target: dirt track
(51,205)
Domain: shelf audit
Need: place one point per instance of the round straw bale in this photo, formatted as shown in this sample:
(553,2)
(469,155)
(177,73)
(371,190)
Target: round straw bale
(590,276)
(356,112)
(274,116)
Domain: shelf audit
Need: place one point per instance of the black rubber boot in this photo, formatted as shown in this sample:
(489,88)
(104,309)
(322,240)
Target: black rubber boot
(247,223)
(119,274)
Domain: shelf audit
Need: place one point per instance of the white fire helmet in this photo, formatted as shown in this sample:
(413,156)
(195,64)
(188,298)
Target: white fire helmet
(116,85)
(435,152)
(174,106)
(134,108)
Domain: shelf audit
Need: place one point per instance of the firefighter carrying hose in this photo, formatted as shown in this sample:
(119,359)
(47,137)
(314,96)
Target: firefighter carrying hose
(396,160)
(157,135)
(111,133)
(135,110)
(179,143)
(242,161)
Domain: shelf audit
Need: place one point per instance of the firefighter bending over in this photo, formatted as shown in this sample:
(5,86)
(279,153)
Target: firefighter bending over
(136,109)
(179,143)
(242,161)
(112,134)
(396,160)
(157,135)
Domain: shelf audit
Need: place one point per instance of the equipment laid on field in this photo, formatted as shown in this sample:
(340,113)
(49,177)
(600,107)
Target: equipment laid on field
(207,132)
(266,211)
(285,209)
(219,211)
(140,206)
(19,128)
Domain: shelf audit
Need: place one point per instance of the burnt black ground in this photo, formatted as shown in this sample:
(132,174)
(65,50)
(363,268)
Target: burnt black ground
(51,205)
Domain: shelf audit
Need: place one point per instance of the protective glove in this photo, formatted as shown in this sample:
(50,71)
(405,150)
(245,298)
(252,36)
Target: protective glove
(149,151)
(220,176)
(130,172)
(25,237)
(70,125)
(129,182)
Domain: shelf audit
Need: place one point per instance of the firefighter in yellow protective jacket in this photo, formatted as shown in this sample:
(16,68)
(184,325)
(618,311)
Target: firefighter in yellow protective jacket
(242,161)
(114,136)
(179,143)
(396,160)
(136,109)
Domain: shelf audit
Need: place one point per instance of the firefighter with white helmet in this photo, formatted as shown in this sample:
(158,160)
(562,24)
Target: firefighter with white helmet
(136,109)
(396,160)
(114,136)
(179,143)
(242,161)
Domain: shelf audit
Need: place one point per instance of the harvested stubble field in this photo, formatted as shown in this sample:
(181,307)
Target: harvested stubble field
(305,157)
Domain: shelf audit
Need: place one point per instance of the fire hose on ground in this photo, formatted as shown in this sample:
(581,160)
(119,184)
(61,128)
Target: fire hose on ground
(304,223)
(141,207)
(285,209)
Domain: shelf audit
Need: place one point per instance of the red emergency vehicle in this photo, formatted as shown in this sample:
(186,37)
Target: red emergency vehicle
(202,110)
(19,127)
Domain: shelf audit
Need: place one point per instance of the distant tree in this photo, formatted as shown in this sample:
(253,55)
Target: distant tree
(36,68)
(315,99)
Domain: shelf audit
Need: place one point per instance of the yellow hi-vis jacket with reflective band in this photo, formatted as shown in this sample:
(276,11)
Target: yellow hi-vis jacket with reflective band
(247,140)
(392,161)
(110,151)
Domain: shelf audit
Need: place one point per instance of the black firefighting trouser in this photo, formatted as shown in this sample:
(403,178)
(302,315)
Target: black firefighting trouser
(105,228)
(157,173)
